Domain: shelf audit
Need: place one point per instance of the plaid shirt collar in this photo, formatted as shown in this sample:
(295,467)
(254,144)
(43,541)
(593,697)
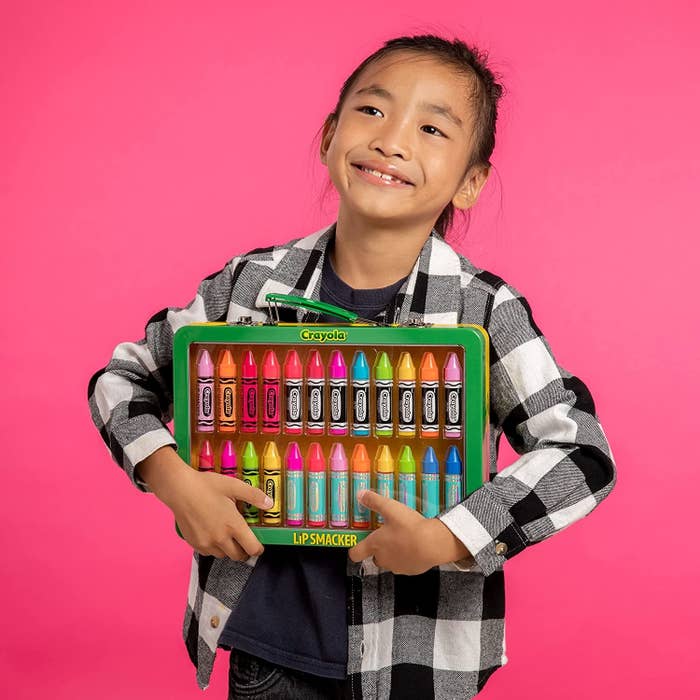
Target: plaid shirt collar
(431,293)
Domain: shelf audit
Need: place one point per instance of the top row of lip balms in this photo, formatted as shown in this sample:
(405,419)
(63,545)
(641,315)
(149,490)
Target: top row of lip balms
(217,393)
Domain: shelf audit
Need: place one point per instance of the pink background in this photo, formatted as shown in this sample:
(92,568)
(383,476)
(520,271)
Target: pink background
(141,148)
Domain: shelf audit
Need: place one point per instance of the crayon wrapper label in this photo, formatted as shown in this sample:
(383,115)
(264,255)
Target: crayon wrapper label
(407,407)
(317,497)
(453,489)
(339,499)
(249,418)
(430,495)
(251,512)
(292,417)
(383,396)
(205,404)
(385,487)
(360,406)
(272,516)
(360,482)
(227,403)
(338,402)
(429,405)
(295,495)
(271,415)
(315,404)
(453,408)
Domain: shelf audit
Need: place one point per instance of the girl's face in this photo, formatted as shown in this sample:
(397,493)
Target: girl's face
(407,115)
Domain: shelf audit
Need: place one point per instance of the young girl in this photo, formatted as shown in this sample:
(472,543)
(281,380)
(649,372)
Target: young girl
(416,610)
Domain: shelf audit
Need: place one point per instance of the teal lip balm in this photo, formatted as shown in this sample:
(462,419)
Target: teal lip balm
(295,486)
(407,478)
(430,484)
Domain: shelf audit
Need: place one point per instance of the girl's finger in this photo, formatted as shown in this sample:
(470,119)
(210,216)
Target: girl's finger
(245,537)
(233,550)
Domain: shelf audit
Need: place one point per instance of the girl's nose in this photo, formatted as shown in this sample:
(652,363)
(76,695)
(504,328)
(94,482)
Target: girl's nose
(393,140)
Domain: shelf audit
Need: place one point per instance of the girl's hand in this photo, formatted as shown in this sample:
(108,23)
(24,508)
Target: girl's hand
(407,542)
(205,509)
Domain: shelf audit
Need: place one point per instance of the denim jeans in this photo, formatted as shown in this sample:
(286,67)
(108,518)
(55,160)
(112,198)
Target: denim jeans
(254,678)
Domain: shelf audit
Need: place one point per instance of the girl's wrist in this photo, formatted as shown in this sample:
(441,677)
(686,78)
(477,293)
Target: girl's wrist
(445,547)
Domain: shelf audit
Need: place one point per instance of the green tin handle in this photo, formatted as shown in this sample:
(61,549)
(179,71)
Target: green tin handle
(320,307)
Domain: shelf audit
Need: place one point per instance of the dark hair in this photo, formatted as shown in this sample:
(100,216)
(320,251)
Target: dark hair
(484,97)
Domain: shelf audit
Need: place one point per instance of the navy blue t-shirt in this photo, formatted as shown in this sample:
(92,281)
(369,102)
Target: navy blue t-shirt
(292,611)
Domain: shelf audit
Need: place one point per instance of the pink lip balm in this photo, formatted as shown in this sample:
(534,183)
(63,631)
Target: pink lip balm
(315,381)
(206,457)
(228,459)
(249,389)
(338,382)
(453,397)
(271,393)
(293,374)
(205,393)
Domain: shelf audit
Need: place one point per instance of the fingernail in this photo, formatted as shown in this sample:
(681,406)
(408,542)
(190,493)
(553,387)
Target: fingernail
(268,502)
(361,495)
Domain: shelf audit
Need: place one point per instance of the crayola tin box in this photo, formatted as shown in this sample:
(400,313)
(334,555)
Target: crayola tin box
(313,413)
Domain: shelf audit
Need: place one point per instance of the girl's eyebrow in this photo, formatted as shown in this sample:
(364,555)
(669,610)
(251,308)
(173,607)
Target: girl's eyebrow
(441,109)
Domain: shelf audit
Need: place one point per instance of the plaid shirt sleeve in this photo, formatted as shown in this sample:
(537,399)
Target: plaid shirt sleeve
(131,399)
(566,466)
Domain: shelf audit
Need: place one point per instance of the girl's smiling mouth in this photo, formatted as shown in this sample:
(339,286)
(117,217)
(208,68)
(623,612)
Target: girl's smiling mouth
(379,178)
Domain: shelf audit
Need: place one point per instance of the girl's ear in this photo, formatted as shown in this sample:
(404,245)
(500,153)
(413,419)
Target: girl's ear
(471,187)
(327,136)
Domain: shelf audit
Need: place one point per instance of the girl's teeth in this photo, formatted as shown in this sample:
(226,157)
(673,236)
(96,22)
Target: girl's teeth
(388,178)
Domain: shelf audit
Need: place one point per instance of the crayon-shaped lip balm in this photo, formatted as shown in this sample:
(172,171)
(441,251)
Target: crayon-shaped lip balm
(407,478)
(384,466)
(430,484)
(452,373)
(338,383)
(206,457)
(315,381)
(339,486)
(360,465)
(429,382)
(251,475)
(228,459)
(384,385)
(249,387)
(293,376)
(205,392)
(272,473)
(316,466)
(407,395)
(453,478)
(271,393)
(227,373)
(295,486)
(360,394)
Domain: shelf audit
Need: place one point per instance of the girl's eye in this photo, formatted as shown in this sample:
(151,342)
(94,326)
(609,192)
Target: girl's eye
(435,132)
(361,109)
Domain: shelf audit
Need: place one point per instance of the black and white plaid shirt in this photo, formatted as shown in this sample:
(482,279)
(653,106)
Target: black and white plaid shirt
(440,634)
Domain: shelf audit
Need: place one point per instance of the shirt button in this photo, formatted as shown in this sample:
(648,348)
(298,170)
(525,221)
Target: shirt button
(501,548)
(214,622)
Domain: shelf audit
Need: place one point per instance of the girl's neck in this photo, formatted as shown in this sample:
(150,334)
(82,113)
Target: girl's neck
(367,256)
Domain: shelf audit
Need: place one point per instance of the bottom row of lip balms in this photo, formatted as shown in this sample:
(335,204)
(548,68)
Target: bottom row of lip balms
(306,504)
